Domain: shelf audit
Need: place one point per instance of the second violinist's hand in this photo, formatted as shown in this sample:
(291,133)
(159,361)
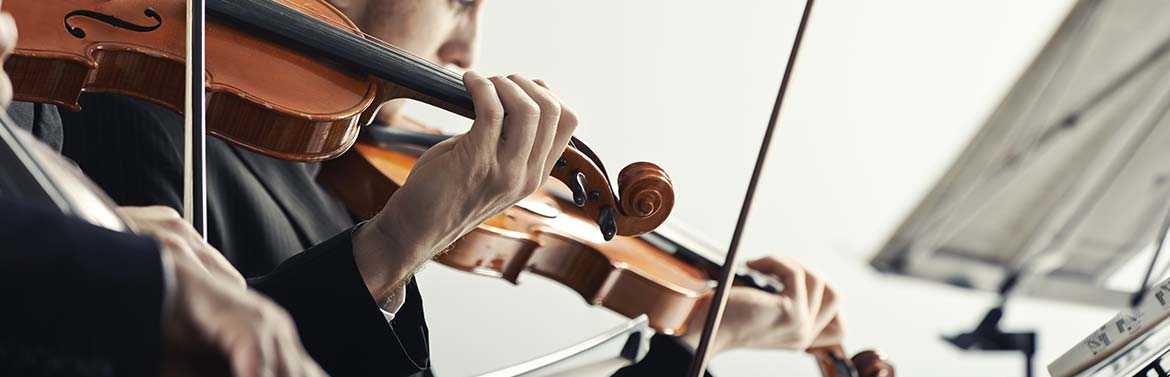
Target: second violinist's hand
(210,321)
(519,132)
(181,239)
(804,315)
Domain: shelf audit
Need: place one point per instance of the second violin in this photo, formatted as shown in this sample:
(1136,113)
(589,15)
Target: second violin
(661,275)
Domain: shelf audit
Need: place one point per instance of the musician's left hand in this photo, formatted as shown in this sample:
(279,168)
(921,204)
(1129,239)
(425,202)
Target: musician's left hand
(803,316)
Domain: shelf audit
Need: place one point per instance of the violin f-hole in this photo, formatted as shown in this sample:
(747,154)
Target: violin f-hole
(112,21)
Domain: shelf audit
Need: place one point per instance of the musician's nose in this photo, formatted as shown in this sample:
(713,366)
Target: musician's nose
(462,47)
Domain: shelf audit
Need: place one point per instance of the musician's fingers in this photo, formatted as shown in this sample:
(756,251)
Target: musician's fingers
(209,258)
(833,334)
(165,224)
(816,290)
(250,355)
(437,150)
(294,360)
(312,369)
(550,114)
(788,272)
(288,359)
(156,220)
(489,113)
(219,266)
(179,249)
(565,128)
(829,309)
(521,115)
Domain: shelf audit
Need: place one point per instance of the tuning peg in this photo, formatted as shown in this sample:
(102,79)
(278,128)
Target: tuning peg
(608,222)
(577,186)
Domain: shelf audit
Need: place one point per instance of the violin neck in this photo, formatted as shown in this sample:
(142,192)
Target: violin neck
(703,257)
(420,79)
(388,137)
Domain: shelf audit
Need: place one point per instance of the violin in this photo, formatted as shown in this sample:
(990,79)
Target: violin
(290,79)
(661,276)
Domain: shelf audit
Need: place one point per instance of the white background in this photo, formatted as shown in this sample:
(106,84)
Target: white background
(885,96)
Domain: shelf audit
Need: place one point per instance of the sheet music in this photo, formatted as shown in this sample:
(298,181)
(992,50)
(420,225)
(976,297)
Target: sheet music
(1124,344)
(1068,177)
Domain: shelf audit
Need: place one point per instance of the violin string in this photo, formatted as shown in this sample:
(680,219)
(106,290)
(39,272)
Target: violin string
(329,20)
(326,19)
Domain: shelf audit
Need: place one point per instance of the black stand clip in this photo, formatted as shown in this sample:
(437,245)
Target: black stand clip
(988,336)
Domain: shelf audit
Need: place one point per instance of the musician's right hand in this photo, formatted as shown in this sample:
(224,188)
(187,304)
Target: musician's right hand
(178,236)
(210,316)
(804,315)
(519,132)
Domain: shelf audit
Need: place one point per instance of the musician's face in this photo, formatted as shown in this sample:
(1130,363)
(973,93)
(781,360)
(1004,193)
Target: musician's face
(442,31)
(445,32)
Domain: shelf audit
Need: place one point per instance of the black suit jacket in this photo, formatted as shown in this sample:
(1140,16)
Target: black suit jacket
(79,300)
(261,211)
(339,321)
(93,303)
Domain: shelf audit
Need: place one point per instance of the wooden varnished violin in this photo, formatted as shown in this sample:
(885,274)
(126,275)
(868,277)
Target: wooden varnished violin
(657,274)
(290,79)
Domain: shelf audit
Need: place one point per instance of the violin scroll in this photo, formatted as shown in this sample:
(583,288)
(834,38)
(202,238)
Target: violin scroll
(646,195)
(871,363)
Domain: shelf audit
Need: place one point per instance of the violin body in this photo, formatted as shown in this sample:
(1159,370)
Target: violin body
(549,236)
(281,101)
(262,96)
(54,63)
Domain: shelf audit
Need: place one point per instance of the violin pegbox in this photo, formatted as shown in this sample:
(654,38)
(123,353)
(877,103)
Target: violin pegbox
(647,194)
